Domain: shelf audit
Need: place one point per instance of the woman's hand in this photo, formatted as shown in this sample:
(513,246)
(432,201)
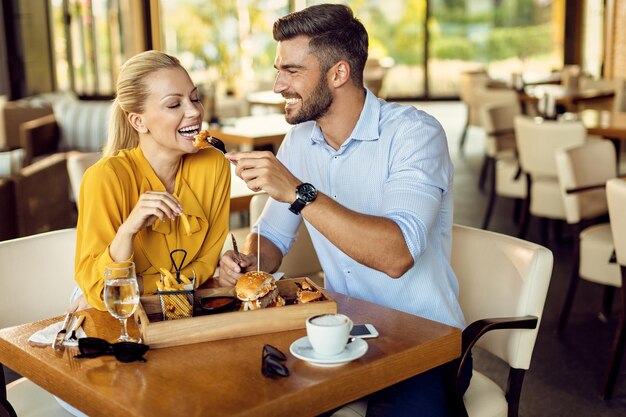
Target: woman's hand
(152,205)
(231,268)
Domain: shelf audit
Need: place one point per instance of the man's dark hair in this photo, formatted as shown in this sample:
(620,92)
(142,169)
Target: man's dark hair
(335,35)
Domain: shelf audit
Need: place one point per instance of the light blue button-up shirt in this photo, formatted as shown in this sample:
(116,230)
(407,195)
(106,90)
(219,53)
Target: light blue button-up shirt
(395,164)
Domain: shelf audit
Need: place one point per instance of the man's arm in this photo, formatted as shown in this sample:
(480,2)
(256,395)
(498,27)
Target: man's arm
(374,241)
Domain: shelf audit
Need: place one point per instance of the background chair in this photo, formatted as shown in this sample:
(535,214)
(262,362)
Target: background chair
(583,171)
(537,141)
(77,164)
(475,90)
(42,196)
(501,166)
(503,282)
(616,196)
(36,279)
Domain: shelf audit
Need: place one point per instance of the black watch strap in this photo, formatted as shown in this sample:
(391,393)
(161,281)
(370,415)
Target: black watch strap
(305,194)
(297,206)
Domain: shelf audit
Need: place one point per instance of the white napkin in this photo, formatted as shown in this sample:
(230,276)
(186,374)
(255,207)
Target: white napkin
(46,336)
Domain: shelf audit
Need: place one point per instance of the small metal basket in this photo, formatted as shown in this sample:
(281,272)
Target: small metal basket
(177,304)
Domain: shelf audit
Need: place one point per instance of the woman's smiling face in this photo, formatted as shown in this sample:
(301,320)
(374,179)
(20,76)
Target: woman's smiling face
(173,112)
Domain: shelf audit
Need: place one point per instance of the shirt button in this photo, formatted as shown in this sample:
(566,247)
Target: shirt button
(335,157)
(335,196)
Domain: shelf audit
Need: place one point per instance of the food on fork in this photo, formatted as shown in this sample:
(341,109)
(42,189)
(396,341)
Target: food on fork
(307,294)
(256,290)
(200,140)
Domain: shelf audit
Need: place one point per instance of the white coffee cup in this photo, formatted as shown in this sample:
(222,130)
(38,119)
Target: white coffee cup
(328,333)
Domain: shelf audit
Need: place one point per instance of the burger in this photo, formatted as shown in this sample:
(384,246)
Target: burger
(257,289)
(306,293)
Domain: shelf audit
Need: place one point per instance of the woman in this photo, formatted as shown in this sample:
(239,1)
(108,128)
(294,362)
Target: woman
(132,201)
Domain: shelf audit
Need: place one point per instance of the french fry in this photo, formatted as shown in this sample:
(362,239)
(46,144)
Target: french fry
(184,279)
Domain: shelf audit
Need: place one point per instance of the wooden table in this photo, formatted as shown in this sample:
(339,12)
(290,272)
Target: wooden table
(263,132)
(564,96)
(611,125)
(267,99)
(223,378)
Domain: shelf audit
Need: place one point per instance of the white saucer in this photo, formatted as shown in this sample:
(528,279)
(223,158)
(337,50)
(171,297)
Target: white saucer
(302,349)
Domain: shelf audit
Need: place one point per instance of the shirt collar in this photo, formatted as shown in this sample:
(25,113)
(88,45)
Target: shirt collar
(366,128)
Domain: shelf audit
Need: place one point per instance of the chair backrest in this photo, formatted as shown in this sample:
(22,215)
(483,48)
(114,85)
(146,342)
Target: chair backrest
(301,260)
(586,165)
(36,276)
(538,139)
(501,276)
(616,196)
(77,164)
(497,119)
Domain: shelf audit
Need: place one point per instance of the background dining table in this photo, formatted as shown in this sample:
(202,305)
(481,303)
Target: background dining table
(223,378)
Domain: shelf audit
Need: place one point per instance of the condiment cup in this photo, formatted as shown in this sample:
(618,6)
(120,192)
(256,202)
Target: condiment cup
(328,333)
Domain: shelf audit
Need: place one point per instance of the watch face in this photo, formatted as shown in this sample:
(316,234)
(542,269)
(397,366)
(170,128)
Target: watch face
(307,192)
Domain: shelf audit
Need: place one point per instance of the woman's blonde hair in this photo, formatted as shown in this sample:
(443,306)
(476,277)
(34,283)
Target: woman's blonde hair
(131,96)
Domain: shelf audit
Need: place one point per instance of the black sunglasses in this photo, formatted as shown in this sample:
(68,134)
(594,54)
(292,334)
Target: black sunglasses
(92,347)
(272,362)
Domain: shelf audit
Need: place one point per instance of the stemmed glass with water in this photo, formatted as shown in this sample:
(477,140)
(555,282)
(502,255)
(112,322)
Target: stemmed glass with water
(121,294)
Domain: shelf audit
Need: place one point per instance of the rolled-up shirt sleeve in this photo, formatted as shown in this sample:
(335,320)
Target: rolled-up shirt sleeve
(419,177)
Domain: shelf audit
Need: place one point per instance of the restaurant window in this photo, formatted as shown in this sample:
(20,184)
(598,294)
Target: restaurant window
(421,46)
(88,47)
(226,45)
(442,38)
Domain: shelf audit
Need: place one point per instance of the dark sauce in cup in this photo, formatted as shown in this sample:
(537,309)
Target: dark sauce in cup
(218,304)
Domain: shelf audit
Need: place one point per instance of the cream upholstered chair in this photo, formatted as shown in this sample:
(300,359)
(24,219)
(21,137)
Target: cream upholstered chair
(537,141)
(616,196)
(503,282)
(476,90)
(300,261)
(77,164)
(501,166)
(36,279)
(583,171)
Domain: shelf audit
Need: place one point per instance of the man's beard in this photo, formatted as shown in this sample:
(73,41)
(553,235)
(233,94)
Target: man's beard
(315,107)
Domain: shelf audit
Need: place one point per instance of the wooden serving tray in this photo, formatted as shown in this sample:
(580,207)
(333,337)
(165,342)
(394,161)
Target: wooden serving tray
(158,333)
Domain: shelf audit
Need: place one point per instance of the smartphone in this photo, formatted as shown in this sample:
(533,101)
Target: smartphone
(364,331)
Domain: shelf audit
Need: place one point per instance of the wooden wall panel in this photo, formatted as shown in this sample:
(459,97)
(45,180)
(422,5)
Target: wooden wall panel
(619,40)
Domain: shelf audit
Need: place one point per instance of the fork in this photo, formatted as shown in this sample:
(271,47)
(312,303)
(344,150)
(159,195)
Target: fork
(217,143)
(237,256)
(75,328)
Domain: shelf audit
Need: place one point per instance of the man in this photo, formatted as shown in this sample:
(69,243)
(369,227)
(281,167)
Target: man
(372,181)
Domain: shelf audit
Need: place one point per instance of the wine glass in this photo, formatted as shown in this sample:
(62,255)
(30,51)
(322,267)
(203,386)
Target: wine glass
(121,294)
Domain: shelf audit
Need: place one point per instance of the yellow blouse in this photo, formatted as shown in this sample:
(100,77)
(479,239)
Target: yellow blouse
(110,190)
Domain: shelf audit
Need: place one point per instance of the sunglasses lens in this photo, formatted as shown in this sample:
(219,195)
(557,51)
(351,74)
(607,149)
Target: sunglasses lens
(93,345)
(272,367)
(272,351)
(130,352)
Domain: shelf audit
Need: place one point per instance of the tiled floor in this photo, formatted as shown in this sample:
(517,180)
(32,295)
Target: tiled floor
(565,373)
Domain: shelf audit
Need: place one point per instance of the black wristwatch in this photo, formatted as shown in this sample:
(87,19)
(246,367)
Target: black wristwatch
(305,195)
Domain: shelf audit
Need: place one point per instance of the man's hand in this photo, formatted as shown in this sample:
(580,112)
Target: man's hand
(262,171)
(231,268)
